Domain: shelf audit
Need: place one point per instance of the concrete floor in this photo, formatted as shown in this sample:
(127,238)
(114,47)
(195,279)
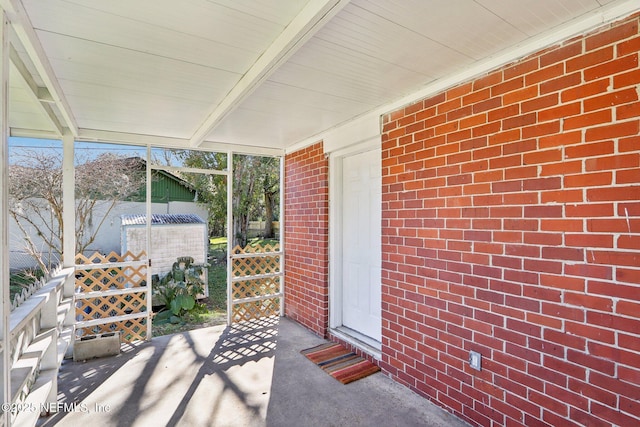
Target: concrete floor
(250,374)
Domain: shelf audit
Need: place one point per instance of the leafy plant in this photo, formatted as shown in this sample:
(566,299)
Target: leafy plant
(179,289)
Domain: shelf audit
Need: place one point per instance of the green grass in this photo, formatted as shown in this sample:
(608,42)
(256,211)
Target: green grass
(262,242)
(218,286)
(213,310)
(216,243)
(21,280)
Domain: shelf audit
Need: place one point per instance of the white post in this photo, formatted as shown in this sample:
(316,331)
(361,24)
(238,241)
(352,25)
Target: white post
(148,248)
(68,201)
(69,223)
(69,208)
(5,309)
(281,235)
(229,234)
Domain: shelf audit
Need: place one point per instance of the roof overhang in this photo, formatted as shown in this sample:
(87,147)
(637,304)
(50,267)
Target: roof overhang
(260,77)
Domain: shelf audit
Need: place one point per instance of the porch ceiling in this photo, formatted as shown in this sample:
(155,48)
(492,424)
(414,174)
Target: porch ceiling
(267,74)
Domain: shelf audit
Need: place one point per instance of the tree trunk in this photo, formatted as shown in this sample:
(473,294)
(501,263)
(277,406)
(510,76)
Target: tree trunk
(268,207)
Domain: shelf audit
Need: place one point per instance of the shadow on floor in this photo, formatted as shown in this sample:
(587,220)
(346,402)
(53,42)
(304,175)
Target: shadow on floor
(249,374)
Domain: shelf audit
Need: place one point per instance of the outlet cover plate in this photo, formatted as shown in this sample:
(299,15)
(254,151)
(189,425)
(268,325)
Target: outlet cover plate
(475,360)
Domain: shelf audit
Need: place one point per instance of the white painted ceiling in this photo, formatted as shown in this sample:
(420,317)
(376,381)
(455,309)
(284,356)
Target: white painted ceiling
(259,73)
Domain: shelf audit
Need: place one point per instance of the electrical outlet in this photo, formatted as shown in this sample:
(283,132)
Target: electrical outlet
(475,360)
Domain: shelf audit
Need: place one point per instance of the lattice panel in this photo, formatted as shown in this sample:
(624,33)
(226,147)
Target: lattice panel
(250,249)
(103,279)
(98,258)
(130,330)
(110,306)
(255,266)
(255,310)
(255,288)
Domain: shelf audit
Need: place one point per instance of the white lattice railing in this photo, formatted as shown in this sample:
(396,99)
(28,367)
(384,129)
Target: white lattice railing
(41,329)
(256,280)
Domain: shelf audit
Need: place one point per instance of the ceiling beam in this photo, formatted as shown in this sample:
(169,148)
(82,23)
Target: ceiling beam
(26,33)
(309,21)
(93,135)
(40,95)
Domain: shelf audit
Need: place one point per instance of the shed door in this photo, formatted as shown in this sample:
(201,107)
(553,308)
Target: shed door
(361,243)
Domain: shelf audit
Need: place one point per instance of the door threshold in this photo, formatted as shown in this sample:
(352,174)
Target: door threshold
(361,341)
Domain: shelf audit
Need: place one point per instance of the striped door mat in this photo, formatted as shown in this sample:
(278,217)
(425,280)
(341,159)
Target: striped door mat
(340,363)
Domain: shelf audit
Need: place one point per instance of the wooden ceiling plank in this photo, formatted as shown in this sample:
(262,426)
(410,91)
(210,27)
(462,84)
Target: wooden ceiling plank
(310,20)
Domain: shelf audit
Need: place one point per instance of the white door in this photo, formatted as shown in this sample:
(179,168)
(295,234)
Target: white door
(361,243)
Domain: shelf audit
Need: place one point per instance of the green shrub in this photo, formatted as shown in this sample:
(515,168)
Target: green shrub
(179,289)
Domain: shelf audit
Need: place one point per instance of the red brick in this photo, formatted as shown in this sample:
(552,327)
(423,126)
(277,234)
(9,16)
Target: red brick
(562,225)
(517,96)
(503,112)
(562,196)
(628,259)
(613,162)
(629,46)
(628,111)
(612,225)
(487,81)
(612,67)
(549,128)
(543,156)
(615,34)
(585,90)
(473,121)
(589,210)
(561,54)
(592,392)
(507,86)
(562,366)
(589,301)
(434,100)
(519,121)
(590,332)
(544,74)
(588,120)
(476,96)
(588,180)
(506,136)
(563,111)
(487,129)
(560,83)
(590,59)
(449,105)
(613,194)
(540,103)
(612,131)
(521,68)
(628,275)
(608,100)
(562,139)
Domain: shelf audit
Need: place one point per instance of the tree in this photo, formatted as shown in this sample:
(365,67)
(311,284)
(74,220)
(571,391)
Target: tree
(256,190)
(35,201)
(271,191)
(212,189)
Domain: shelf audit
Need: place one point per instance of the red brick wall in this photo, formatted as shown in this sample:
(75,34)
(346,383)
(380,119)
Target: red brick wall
(306,234)
(511,226)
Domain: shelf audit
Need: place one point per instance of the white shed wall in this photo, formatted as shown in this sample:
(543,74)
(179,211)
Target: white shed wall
(168,242)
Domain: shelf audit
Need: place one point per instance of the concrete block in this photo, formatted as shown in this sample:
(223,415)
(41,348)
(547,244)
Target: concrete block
(93,346)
